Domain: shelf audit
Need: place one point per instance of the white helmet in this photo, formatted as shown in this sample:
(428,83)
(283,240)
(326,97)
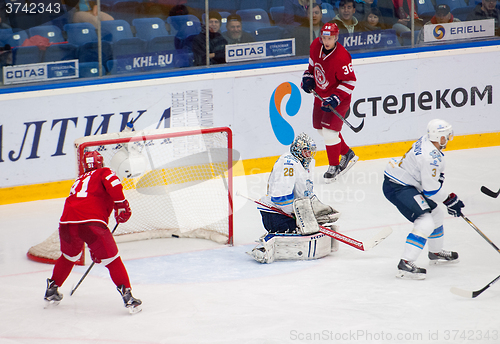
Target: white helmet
(438,128)
(128,165)
(303,148)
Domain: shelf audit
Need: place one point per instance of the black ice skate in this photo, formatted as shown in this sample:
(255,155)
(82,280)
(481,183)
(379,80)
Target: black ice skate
(347,161)
(52,295)
(133,305)
(408,270)
(443,257)
(331,174)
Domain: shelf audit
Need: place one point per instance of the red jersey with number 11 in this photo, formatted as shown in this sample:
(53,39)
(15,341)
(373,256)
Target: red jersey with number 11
(92,197)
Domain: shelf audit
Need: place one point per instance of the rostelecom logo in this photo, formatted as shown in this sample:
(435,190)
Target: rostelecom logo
(282,129)
(439,31)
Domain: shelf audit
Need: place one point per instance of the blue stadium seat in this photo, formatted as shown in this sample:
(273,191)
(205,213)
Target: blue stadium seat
(61,52)
(327,11)
(26,55)
(160,43)
(5,35)
(425,8)
(114,30)
(253,19)
(52,32)
(452,3)
(89,69)
(277,13)
(462,12)
(276,3)
(88,52)
(16,39)
(268,33)
(225,5)
(249,4)
(129,46)
(80,33)
(147,28)
(188,24)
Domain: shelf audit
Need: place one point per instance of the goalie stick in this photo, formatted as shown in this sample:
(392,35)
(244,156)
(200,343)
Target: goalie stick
(472,294)
(360,245)
(490,193)
(88,270)
(355,129)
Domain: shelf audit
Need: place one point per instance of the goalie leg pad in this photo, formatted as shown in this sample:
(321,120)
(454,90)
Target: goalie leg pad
(306,221)
(264,252)
(302,247)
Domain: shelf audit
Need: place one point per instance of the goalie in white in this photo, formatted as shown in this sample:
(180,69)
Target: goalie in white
(290,190)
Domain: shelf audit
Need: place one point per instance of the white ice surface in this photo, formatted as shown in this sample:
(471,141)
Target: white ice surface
(196,291)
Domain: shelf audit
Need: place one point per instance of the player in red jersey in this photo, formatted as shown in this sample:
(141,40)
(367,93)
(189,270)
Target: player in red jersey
(85,217)
(331,75)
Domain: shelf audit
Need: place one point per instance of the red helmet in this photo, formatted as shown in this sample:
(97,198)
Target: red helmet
(92,161)
(330,29)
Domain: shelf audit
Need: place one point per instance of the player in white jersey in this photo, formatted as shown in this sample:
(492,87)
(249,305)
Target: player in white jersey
(290,191)
(414,185)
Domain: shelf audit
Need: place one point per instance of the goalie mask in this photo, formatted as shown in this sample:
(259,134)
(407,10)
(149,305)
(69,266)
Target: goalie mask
(92,161)
(304,149)
(438,129)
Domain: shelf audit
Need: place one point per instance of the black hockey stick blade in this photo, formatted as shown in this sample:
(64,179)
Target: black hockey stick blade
(355,129)
(472,294)
(488,192)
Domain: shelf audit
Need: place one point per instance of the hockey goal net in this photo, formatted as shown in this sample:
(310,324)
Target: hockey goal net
(178,183)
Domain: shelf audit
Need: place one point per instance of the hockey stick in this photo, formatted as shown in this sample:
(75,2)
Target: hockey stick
(490,193)
(480,233)
(472,294)
(363,246)
(356,130)
(88,270)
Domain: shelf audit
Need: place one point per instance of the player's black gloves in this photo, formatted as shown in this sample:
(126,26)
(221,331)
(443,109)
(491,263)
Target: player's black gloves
(454,205)
(308,84)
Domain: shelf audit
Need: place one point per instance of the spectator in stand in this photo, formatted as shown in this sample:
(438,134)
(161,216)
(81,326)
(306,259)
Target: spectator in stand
(235,33)
(373,21)
(87,13)
(217,42)
(363,8)
(486,10)
(301,33)
(403,8)
(390,18)
(296,13)
(345,20)
(442,16)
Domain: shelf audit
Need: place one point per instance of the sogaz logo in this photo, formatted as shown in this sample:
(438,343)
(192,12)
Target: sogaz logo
(439,32)
(282,129)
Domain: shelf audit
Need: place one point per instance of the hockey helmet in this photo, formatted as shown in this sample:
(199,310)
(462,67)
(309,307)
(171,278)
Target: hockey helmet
(304,149)
(92,161)
(330,29)
(438,128)
(128,164)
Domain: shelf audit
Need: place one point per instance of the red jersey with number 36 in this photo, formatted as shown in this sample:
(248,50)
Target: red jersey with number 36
(92,197)
(333,73)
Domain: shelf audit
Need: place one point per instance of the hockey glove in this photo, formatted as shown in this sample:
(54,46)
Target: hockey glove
(332,101)
(454,205)
(122,211)
(308,84)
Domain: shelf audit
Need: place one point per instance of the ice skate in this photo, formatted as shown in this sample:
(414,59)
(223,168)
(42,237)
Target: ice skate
(347,161)
(331,174)
(131,303)
(443,257)
(52,295)
(408,270)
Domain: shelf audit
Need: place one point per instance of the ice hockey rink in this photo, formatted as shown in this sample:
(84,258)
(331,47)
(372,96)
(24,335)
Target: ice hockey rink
(197,291)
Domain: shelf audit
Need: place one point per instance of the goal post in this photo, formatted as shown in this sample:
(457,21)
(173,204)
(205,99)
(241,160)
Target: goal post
(178,181)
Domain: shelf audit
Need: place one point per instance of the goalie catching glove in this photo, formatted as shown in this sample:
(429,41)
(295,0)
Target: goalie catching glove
(122,211)
(323,212)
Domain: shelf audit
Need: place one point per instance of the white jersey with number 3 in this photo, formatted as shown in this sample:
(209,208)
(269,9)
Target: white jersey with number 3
(420,167)
(288,180)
